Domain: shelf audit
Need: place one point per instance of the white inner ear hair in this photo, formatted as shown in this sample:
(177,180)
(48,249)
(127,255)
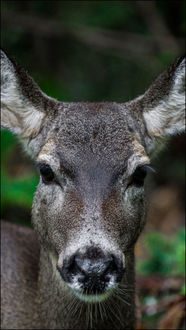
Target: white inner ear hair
(17,113)
(168,117)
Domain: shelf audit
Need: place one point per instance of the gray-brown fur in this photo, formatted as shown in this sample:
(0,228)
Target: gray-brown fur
(19,250)
(93,149)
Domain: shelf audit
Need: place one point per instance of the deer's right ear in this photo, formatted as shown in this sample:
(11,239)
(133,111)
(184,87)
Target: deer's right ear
(23,104)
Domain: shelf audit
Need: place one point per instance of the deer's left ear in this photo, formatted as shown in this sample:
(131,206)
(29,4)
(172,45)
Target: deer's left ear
(23,105)
(163,103)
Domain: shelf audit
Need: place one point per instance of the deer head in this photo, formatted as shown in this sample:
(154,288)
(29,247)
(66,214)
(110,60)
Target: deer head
(89,207)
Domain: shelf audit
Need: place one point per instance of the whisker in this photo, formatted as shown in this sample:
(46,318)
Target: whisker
(91,315)
(96,305)
(123,300)
(100,309)
(113,312)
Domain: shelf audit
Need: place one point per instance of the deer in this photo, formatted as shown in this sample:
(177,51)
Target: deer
(76,268)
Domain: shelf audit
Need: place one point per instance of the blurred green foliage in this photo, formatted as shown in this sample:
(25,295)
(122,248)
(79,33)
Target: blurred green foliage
(15,190)
(167,255)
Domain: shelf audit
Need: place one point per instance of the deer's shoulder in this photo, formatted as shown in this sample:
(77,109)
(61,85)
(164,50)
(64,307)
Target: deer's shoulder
(19,244)
(20,256)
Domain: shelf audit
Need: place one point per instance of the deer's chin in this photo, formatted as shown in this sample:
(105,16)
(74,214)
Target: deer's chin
(92,298)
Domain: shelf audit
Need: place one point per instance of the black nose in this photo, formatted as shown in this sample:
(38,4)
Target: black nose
(93,270)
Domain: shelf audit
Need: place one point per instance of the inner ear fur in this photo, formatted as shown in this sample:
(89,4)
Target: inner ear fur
(164,102)
(23,105)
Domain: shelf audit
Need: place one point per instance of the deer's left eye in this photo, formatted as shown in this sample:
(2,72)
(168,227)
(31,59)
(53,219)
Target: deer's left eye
(46,173)
(138,176)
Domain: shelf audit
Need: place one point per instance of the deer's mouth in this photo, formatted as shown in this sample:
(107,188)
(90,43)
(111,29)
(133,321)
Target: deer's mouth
(93,290)
(97,297)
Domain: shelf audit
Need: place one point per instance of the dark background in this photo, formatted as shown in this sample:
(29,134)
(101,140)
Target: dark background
(103,51)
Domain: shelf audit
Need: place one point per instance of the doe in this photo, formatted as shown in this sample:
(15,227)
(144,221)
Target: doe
(76,269)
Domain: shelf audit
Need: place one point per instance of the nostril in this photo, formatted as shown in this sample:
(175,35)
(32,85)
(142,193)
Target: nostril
(81,279)
(115,264)
(110,267)
(107,278)
(69,268)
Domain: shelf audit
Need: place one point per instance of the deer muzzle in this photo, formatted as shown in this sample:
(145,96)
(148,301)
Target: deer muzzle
(92,273)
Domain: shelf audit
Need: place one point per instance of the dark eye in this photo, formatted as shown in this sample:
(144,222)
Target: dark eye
(138,176)
(46,173)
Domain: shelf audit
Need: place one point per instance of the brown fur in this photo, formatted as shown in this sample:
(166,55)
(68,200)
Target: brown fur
(93,149)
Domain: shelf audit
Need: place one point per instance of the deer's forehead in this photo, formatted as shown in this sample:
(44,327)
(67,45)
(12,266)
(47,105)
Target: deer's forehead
(83,131)
(85,128)
(100,132)
(81,139)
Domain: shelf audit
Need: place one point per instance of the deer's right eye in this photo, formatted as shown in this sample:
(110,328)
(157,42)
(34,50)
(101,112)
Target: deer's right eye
(46,173)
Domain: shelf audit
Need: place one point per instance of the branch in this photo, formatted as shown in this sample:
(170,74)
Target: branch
(165,41)
(119,43)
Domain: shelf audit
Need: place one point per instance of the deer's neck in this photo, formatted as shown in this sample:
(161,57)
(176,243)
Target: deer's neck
(58,308)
